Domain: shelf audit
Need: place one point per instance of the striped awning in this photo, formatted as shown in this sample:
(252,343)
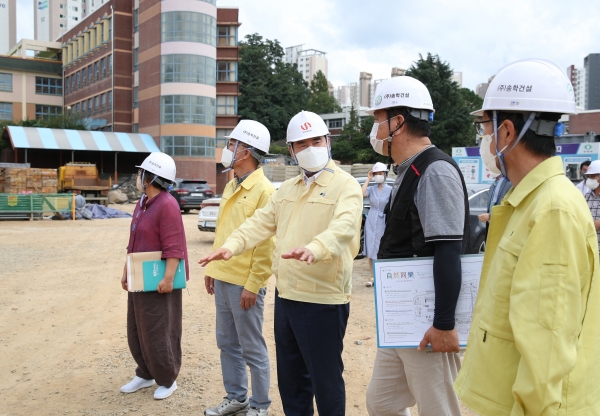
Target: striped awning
(41,138)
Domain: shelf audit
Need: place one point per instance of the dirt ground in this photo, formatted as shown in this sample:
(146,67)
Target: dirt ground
(63,336)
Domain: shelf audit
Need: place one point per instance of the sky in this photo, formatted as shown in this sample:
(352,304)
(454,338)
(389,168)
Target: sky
(475,37)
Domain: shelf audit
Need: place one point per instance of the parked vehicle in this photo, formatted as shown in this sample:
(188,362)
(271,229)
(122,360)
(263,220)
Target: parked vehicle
(190,193)
(209,211)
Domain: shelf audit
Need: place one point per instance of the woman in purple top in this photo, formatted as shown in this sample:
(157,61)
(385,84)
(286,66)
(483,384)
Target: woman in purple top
(154,319)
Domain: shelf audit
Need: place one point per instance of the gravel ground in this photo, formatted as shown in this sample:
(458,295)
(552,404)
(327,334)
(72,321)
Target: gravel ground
(63,336)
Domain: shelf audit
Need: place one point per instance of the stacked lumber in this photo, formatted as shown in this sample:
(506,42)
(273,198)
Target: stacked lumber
(28,180)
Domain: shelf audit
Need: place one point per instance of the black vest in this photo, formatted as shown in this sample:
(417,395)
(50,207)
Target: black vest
(403,235)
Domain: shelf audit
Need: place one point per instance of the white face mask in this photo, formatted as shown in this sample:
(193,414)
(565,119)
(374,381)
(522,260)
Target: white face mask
(226,158)
(138,184)
(489,159)
(379,178)
(378,145)
(591,183)
(313,159)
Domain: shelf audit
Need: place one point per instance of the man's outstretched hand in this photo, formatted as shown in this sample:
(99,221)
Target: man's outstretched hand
(441,341)
(301,254)
(220,254)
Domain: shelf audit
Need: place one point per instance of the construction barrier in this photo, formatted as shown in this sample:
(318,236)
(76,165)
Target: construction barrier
(14,206)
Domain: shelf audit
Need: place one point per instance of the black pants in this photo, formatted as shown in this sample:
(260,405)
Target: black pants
(154,326)
(309,339)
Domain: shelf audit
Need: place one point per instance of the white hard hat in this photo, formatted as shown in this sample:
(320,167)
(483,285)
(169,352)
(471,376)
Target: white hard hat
(379,167)
(160,164)
(253,134)
(530,85)
(593,168)
(306,125)
(403,91)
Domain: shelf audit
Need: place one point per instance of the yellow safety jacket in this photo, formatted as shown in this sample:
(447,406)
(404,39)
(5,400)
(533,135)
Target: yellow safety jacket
(324,217)
(253,268)
(534,344)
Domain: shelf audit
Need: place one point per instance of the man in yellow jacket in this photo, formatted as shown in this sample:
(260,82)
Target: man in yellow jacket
(534,344)
(239,286)
(316,218)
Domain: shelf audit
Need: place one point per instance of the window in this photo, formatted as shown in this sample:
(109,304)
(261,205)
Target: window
(109,100)
(62,6)
(135,97)
(135,59)
(103,102)
(49,86)
(103,67)
(96,104)
(90,74)
(67,84)
(188,68)
(96,71)
(75,9)
(221,140)
(45,111)
(62,16)
(84,76)
(90,107)
(135,20)
(6,82)
(227,35)
(74,18)
(227,71)
(188,146)
(109,60)
(187,109)
(226,105)
(61,25)
(109,29)
(78,79)
(78,108)
(6,111)
(73,83)
(337,123)
(188,27)
(84,108)
(135,128)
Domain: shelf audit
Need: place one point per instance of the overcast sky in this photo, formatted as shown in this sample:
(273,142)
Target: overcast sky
(475,37)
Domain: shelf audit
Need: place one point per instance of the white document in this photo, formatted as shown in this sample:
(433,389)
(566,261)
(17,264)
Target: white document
(405,299)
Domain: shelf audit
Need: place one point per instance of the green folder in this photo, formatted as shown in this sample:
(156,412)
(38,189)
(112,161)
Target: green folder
(154,272)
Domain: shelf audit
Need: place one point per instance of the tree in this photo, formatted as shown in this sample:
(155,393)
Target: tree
(320,101)
(472,101)
(272,91)
(452,125)
(353,145)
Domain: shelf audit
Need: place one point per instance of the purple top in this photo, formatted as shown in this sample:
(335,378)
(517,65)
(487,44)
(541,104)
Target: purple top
(157,226)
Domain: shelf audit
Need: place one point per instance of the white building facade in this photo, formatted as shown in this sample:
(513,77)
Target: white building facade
(53,18)
(309,61)
(8,25)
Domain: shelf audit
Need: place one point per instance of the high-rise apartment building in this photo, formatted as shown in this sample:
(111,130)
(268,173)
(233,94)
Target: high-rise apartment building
(365,89)
(577,78)
(457,77)
(166,68)
(398,72)
(54,18)
(8,25)
(309,61)
(591,64)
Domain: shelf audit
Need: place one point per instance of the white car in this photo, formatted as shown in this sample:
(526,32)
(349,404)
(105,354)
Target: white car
(209,211)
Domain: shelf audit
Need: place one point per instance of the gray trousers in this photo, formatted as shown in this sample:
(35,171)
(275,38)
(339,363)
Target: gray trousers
(240,339)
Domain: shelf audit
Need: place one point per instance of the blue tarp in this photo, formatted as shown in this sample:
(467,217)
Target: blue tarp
(101,212)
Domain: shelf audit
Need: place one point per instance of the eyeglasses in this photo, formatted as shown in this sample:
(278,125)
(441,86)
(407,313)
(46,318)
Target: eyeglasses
(480,126)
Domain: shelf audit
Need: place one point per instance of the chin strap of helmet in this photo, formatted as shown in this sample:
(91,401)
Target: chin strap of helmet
(500,154)
(391,136)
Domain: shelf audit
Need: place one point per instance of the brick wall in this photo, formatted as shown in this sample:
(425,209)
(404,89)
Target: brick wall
(584,122)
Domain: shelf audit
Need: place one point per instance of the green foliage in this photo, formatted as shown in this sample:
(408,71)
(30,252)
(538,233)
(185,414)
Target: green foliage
(472,101)
(320,101)
(452,125)
(279,150)
(353,145)
(272,91)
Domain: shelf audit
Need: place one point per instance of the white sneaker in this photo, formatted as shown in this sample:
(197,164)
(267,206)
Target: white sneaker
(254,411)
(229,408)
(164,392)
(136,384)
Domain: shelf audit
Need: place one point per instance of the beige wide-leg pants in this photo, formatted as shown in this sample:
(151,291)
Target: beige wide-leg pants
(404,377)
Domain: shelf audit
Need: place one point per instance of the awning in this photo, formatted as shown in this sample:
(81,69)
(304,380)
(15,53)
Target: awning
(42,138)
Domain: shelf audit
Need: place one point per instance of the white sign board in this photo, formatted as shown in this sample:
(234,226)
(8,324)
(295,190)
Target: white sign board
(405,299)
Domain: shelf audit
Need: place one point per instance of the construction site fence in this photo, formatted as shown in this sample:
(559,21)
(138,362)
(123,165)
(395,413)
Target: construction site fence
(35,205)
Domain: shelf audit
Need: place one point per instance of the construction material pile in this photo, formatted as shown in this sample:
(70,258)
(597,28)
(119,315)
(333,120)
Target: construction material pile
(126,192)
(28,181)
